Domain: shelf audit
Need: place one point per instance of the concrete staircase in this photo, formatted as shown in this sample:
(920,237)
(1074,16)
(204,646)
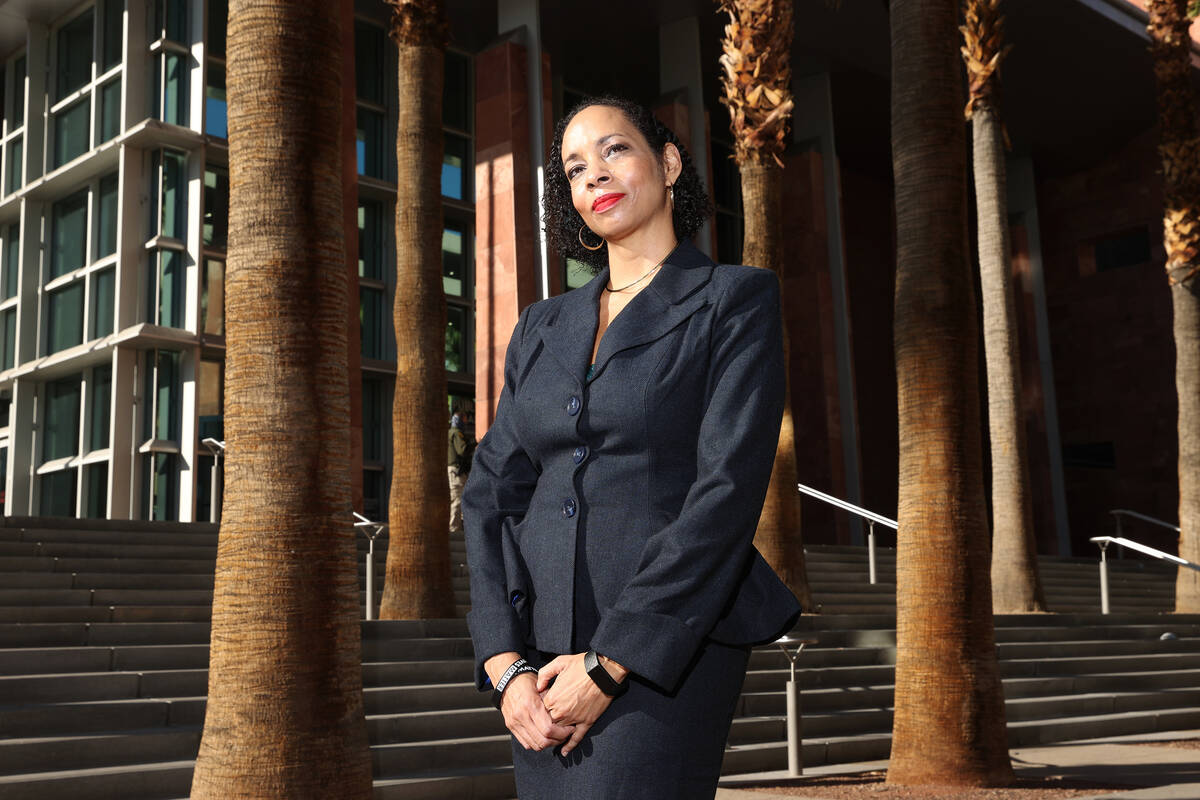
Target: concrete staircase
(104,652)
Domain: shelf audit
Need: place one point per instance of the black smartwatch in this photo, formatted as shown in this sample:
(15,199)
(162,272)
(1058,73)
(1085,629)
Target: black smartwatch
(600,676)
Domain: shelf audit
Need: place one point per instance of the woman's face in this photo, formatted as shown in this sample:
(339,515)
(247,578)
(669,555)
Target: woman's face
(618,183)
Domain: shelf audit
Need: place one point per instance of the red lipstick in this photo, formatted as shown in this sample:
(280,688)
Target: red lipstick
(607,201)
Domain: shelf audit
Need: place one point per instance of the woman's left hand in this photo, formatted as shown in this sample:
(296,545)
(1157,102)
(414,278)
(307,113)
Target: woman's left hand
(574,699)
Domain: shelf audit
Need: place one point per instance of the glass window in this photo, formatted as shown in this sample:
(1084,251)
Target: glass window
(212,298)
(210,399)
(74,54)
(113,21)
(12,259)
(218,13)
(216,109)
(8,338)
(172,220)
(456,339)
(369,62)
(101,410)
(577,273)
(58,493)
(216,207)
(106,217)
(375,415)
(110,110)
(170,19)
(167,307)
(456,98)
(15,178)
(454,266)
(369,146)
(95,478)
(173,103)
(370,240)
(64,320)
(454,174)
(17,114)
(60,427)
(162,422)
(160,485)
(69,245)
(371,314)
(103,302)
(71,131)
(374,499)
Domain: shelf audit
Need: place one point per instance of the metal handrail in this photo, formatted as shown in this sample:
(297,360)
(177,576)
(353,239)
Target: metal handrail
(372,530)
(1104,541)
(870,516)
(1118,512)
(216,448)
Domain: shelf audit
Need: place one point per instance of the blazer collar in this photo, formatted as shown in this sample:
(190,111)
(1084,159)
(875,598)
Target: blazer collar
(672,296)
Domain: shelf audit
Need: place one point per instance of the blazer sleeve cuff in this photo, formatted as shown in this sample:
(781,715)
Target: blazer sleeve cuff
(653,646)
(492,634)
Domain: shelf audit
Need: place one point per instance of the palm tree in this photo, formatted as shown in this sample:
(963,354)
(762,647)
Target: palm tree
(285,708)
(757,90)
(418,584)
(949,705)
(1179,148)
(1016,588)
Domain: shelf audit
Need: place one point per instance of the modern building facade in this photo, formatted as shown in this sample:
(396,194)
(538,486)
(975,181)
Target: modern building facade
(113,206)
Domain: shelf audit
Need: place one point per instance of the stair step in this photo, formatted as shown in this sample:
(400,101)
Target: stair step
(153,781)
(98,750)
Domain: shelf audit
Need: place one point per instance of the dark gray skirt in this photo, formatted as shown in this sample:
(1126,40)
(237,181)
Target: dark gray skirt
(647,745)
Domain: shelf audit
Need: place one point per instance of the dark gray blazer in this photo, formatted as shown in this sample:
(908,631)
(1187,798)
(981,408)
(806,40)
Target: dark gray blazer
(619,513)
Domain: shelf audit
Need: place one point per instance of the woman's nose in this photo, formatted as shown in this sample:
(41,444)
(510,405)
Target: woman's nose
(599,178)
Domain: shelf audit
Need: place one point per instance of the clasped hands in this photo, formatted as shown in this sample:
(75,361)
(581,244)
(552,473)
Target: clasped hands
(542,715)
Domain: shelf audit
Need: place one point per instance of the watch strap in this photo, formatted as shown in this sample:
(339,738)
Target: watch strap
(600,676)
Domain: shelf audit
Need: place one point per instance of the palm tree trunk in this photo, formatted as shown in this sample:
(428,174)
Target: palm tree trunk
(285,710)
(778,536)
(949,706)
(1015,584)
(418,584)
(1179,149)
(1016,588)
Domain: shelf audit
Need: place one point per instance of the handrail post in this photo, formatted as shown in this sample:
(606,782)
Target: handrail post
(871,548)
(795,744)
(1103,577)
(214,479)
(370,578)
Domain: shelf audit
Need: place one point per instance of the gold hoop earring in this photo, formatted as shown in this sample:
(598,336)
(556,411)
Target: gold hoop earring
(585,244)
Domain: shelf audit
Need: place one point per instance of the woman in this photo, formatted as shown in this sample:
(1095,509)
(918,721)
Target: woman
(611,507)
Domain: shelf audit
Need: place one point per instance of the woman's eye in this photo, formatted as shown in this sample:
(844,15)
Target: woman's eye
(614,148)
(573,171)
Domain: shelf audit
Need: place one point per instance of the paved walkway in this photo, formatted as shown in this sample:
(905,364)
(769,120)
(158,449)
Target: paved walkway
(1171,773)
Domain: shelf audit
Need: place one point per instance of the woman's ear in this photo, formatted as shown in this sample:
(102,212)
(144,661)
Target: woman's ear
(672,163)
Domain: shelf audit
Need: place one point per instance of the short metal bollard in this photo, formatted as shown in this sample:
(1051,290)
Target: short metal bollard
(795,748)
(372,530)
(1103,577)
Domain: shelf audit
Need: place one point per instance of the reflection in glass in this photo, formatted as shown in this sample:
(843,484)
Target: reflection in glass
(110,110)
(369,144)
(64,318)
(216,108)
(453,263)
(12,259)
(69,218)
(58,493)
(106,223)
(212,298)
(370,239)
(15,178)
(71,131)
(8,338)
(454,176)
(216,207)
(96,500)
(100,414)
(371,319)
(74,54)
(60,430)
(103,302)
(456,339)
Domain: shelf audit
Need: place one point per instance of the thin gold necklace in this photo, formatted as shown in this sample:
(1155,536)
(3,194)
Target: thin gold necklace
(609,287)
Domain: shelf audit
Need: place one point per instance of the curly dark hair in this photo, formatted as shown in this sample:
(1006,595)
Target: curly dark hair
(562,221)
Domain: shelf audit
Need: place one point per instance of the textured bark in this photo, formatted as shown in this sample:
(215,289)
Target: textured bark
(757,90)
(285,713)
(418,583)
(1179,149)
(778,535)
(1016,587)
(949,725)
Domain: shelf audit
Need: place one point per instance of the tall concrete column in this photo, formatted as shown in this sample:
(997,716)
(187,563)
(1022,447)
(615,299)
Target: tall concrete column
(680,71)
(812,124)
(1022,204)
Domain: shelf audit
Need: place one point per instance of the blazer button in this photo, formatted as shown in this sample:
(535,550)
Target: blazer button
(568,508)
(580,454)
(573,405)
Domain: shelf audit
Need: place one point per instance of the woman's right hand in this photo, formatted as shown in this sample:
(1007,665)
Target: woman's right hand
(524,712)
(526,716)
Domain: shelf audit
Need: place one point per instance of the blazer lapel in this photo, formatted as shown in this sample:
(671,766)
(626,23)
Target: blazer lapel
(670,298)
(570,335)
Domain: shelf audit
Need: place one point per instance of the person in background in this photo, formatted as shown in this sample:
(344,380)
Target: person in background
(459,450)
